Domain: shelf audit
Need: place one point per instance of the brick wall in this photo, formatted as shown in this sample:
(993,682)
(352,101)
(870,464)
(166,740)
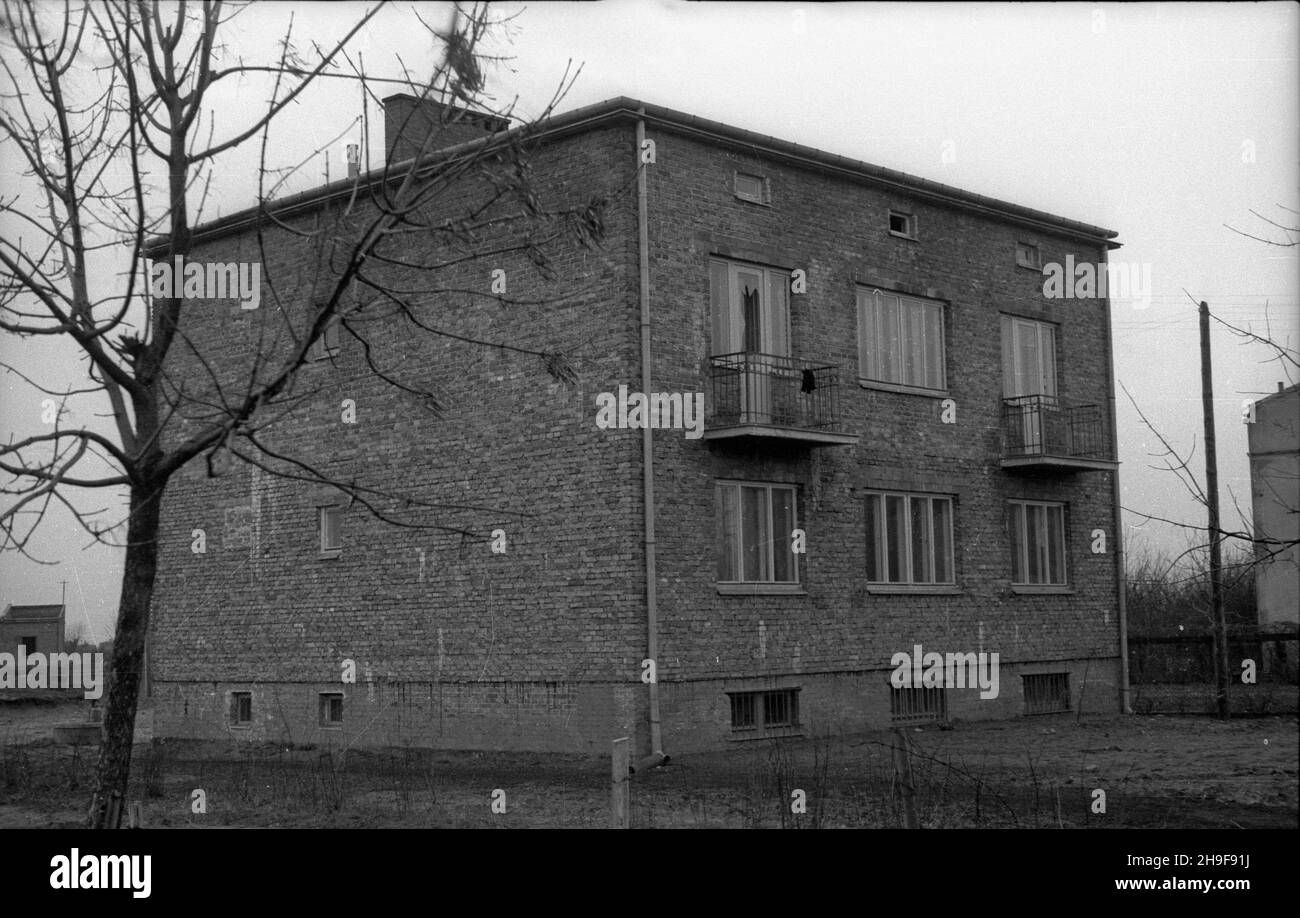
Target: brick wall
(541,647)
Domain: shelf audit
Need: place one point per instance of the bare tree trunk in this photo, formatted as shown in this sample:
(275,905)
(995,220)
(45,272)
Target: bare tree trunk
(114,771)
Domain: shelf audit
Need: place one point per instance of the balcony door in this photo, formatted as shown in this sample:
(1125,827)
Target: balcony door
(1029,369)
(751,322)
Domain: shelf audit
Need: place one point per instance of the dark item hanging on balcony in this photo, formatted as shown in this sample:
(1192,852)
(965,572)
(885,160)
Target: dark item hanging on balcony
(809,382)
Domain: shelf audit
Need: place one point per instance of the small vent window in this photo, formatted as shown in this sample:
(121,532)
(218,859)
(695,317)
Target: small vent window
(1047,693)
(752,188)
(902,224)
(1028,256)
(331,708)
(241,707)
(918,705)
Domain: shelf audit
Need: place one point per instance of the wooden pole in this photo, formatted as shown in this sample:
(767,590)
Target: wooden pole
(1212,500)
(903,775)
(620,812)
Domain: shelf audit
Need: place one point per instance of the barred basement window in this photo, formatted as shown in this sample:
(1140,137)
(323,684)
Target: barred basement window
(752,188)
(918,705)
(778,709)
(1047,693)
(742,711)
(331,708)
(241,707)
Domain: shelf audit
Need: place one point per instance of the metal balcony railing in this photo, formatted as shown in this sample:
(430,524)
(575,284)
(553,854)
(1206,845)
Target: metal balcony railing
(1044,427)
(768,390)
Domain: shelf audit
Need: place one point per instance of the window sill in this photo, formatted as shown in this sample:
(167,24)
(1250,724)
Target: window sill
(898,235)
(1031,589)
(902,389)
(327,555)
(761,589)
(1038,269)
(929,589)
(741,197)
(750,734)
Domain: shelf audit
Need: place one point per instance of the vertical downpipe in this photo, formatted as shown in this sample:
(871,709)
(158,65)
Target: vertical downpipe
(1124,699)
(647,445)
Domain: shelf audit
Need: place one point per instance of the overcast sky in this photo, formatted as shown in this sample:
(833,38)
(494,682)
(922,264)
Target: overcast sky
(1161,121)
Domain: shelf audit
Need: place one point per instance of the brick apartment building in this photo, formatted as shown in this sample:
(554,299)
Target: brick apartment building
(881,371)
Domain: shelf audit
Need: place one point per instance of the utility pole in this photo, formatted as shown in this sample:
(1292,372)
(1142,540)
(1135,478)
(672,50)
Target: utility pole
(1212,501)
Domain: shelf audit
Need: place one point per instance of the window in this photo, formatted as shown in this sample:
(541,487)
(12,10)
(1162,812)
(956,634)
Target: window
(1028,357)
(330,527)
(755,523)
(918,705)
(1028,256)
(1047,693)
(752,188)
(902,224)
(241,707)
(900,340)
(28,644)
(909,539)
(751,308)
(1037,543)
(756,712)
(331,709)
(326,347)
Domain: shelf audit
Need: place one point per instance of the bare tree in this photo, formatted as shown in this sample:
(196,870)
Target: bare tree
(91,128)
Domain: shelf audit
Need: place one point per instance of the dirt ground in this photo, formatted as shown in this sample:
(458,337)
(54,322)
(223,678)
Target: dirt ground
(1154,771)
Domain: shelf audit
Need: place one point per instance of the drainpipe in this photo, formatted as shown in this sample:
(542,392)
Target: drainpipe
(1124,698)
(656,756)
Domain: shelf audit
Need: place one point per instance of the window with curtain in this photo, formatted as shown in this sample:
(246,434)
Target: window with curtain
(755,526)
(909,538)
(900,340)
(1037,532)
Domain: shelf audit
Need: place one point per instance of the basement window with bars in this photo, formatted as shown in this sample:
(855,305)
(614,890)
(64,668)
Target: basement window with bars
(1047,693)
(241,708)
(918,705)
(331,709)
(756,713)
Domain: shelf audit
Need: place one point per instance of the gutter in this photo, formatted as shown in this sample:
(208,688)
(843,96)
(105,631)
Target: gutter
(656,756)
(1125,704)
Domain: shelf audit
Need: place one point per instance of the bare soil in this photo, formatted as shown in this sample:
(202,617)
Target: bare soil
(1154,771)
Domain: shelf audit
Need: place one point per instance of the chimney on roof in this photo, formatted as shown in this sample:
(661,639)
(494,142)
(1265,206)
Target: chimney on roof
(1279,385)
(409,120)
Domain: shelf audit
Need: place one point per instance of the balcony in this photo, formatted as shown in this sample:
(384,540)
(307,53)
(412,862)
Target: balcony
(1044,432)
(769,397)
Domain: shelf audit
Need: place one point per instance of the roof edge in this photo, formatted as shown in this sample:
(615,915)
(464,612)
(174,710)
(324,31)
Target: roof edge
(623,108)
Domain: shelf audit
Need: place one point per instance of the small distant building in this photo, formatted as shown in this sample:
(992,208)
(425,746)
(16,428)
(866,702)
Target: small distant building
(1274,449)
(38,628)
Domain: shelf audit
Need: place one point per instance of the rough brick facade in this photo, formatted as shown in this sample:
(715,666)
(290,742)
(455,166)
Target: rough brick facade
(541,647)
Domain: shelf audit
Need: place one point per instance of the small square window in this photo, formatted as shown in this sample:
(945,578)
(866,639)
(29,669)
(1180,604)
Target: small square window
(330,527)
(331,709)
(1028,256)
(241,707)
(326,347)
(902,224)
(752,188)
